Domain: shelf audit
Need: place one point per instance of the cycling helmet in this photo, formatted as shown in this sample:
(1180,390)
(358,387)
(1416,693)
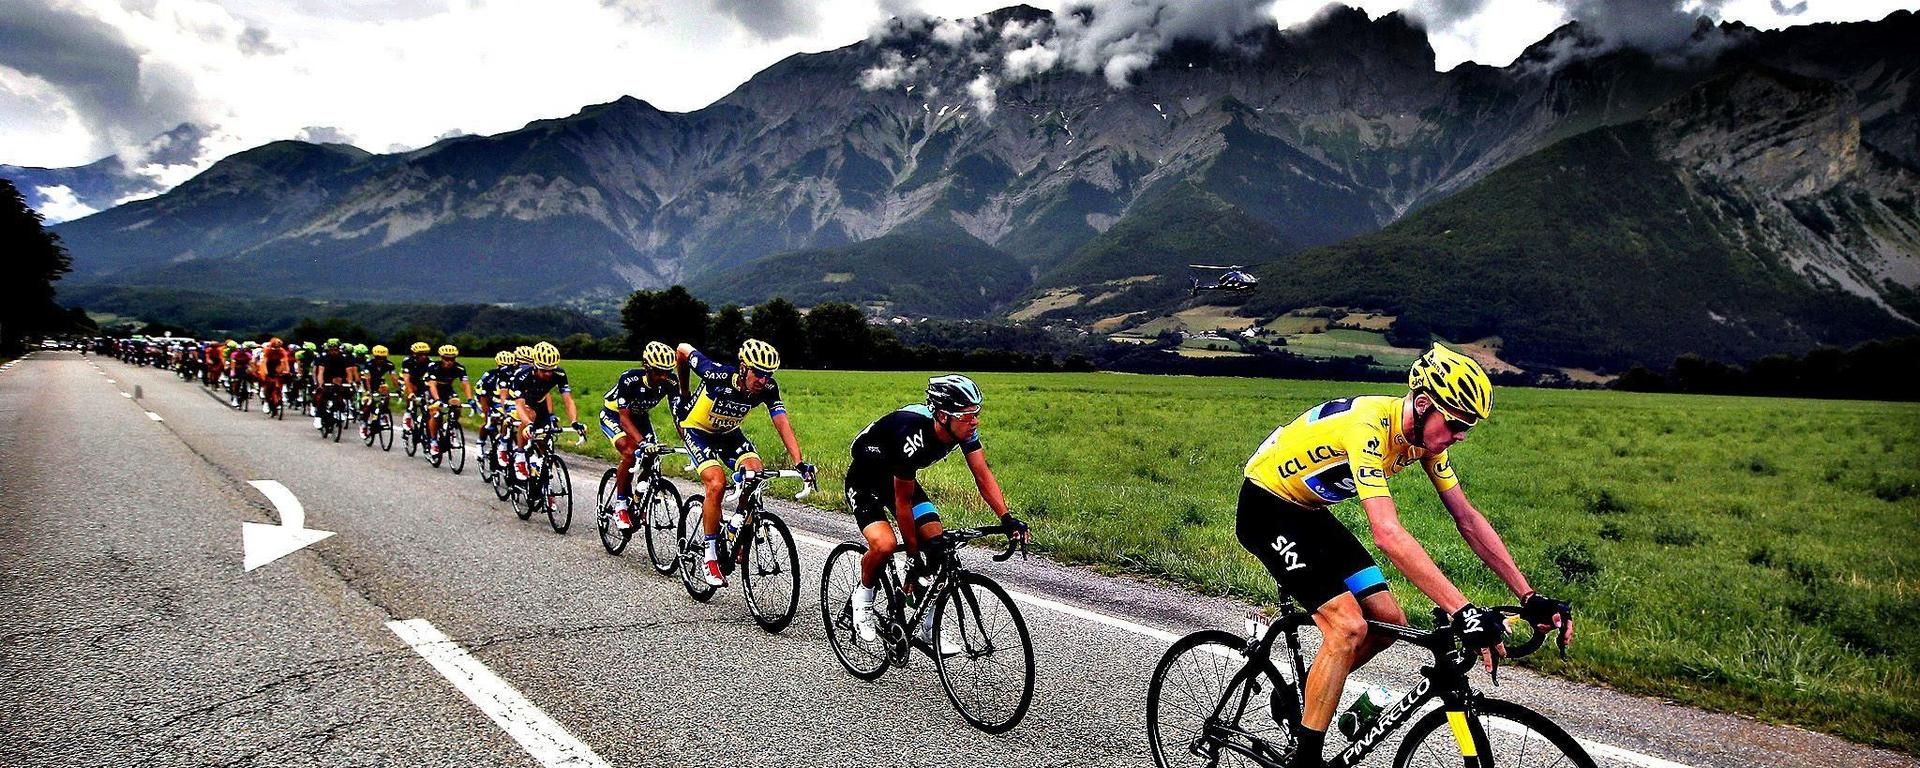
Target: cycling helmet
(449,350)
(231,344)
(251,345)
(759,355)
(359,349)
(333,342)
(503,357)
(523,354)
(379,350)
(276,342)
(419,348)
(1457,384)
(658,355)
(546,356)
(310,347)
(953,393)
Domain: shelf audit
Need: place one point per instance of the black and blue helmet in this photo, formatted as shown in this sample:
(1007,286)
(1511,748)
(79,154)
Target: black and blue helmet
(953,393)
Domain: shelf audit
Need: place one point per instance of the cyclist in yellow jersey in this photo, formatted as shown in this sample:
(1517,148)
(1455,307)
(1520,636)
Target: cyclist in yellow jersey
(1347,449)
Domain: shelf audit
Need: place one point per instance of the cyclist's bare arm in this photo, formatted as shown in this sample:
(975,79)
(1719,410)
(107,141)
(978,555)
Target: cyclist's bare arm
(784,426)
(1406,554)
(468,386)
(573,411)
(989,485)
(1484,541)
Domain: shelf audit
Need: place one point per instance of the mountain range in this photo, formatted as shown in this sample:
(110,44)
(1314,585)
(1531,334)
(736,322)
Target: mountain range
(914,171)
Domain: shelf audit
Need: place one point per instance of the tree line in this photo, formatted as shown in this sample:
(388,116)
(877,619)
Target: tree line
(1873,370)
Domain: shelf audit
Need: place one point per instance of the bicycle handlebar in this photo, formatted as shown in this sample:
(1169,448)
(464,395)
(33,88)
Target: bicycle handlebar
(779,474)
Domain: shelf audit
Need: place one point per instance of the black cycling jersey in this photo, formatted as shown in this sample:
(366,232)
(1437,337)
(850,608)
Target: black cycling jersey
(900,444)
(415,369)
(377,371)
(445,375)
(333,366)
(527,385)
(632,392)
(493,379)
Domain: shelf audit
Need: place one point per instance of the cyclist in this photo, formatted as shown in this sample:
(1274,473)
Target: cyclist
(239,370)
(532,389)
(274,368)
(488,391)
(334,372)
(1347,448)
(711,427)
(625,420)
(887,456)
(373,380)
(413,384)
(440,377)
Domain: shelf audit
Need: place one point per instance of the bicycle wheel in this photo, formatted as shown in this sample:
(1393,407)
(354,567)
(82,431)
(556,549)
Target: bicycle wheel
(339,425)
(559,492)
(1188,684)
(1498,732)
(383,427)
(432,446)
(990,681)
(410,438)
(612,539)
(658,514)
(693,550)
(503,489)
(771,572)
(457,449)
(866,660)
(372,432)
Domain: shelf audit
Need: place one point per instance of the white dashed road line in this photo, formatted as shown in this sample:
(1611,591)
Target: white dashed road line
(537,732)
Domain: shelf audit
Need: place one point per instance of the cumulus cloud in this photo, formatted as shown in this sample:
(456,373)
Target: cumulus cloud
(1671,30)
(894,70)
(955,33)
(58,204)
(1789,10)
(770,19)
(324,134)
(254,41)
(98,74)
(981,91)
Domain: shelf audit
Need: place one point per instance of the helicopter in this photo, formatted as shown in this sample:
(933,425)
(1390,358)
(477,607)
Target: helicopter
(1233,278)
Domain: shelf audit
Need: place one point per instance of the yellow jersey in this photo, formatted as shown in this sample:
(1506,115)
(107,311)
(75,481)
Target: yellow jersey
(1339,450)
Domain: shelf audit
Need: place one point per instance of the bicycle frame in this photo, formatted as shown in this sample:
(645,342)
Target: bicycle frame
(1446,680)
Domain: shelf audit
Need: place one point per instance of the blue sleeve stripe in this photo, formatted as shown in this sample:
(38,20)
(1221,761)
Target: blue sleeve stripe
(926,508)
(1365,580)
(776,410)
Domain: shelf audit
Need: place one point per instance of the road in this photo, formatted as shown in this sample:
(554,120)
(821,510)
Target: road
(133,636)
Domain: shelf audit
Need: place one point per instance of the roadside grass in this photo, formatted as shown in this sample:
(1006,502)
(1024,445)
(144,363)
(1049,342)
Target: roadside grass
(1744,554)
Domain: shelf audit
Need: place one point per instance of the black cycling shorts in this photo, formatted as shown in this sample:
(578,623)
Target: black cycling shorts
(871,503)
(1310,554)
(718,449)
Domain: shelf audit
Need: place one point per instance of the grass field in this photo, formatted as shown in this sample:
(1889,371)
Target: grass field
(1750,555)
(1348,342)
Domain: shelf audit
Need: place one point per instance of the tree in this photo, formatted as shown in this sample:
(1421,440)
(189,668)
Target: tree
(729,328)
(35,259)
(778,322)
(317,331)
(672,316)
(837,336)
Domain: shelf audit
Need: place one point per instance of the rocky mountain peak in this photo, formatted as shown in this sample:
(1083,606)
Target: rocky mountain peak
(1788,135)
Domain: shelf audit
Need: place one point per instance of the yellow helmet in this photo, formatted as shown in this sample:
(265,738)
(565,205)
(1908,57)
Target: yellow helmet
(419,348)
(658,355)
(755,353)
(1456,382)
(503,357)
(379,350)
(523,354)
(546,356)
(449,350)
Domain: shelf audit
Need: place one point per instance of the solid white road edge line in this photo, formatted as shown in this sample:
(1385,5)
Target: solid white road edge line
(154,416)
(1597,748)
(538,733)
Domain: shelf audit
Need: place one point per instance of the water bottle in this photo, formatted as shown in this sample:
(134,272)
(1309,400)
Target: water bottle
(734,519)
(1364,712)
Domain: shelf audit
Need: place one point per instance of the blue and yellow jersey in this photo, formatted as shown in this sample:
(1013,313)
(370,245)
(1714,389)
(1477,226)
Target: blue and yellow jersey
(1339,450)
(721,404)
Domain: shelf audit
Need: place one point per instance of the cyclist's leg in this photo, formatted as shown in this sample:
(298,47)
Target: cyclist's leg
(1379,606)
(870,514)
(623,447)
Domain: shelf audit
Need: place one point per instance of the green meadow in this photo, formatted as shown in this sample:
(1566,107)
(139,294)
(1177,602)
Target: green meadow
(1744,554)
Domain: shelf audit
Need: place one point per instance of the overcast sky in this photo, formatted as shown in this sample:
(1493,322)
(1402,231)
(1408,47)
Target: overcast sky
(81,79)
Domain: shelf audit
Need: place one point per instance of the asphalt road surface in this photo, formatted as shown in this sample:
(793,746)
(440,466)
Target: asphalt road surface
(435,628)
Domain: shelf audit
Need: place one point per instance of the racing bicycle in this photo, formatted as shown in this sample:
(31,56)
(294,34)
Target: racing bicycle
(654,501)
(752,538)
(979,642)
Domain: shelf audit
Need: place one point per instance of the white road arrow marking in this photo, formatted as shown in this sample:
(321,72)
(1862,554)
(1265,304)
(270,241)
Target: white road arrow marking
(262,543)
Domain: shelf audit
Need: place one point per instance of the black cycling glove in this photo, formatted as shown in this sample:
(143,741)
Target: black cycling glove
(1478,628)
(1538,609)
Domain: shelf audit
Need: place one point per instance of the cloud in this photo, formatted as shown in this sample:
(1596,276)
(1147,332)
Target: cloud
(955,33)
(1671,30)
(893,70)
(323,134)
(981,91)
(254,42)
(1120,38)
(770,19)
(119,98)
(58,204)
(1789,10)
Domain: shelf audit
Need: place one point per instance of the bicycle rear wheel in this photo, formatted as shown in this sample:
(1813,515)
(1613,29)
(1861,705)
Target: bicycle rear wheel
(612,539)
(990,679)
(771,572)
(693,545)
(383,425)
(1494,732)
(456,448)
(1188,684)
(659,514)
(866,660)
(559,492)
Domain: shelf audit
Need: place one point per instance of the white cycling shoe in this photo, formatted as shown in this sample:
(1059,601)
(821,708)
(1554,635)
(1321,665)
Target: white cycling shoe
(710,573)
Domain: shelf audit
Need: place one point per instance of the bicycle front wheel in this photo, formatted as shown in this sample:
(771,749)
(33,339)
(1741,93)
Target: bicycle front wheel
(457,448)
(983,653)
(559,491)
(612,539)
(1184,698)
(659,513)
(385,427)
(866,660)
(771,569)
(1494,732)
